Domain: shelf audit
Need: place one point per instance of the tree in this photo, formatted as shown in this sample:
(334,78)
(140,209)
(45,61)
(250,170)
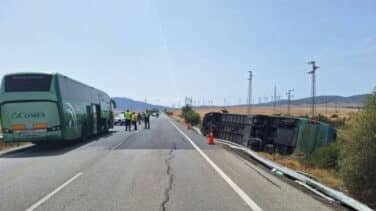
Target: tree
(186,109)
(358,153)
(190,116)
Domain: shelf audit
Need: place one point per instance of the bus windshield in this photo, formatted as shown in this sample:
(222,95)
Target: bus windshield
(27,83)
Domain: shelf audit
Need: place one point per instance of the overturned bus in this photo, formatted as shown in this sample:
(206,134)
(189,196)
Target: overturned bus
(261,132)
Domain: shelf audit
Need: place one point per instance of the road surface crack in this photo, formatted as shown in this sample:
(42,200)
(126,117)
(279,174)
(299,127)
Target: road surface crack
(170,179)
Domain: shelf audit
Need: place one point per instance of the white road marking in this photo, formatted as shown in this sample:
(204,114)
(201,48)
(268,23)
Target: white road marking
(232,184)
(48,196)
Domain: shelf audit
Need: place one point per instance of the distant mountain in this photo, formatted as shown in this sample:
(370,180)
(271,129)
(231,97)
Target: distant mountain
(355,100)
(124,103)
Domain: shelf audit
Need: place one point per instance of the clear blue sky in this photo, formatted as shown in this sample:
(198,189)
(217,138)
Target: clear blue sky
(165,50)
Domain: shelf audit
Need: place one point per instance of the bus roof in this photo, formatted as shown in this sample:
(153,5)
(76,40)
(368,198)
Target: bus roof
(54,74)
(31,73)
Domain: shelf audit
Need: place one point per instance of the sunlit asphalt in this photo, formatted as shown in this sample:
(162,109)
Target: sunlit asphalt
(156,169)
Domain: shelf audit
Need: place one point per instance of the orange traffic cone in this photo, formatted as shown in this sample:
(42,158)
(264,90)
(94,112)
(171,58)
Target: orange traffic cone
(211,138)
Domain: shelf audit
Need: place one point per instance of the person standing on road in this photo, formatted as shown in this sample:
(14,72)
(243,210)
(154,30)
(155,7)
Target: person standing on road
(139,118)
(127,116)
(134,120)
(147,119)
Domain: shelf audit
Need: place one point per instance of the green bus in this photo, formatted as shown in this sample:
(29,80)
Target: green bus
(44,107)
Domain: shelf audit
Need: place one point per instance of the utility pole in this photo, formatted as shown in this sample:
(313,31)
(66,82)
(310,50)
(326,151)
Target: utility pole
(275,99)
(313,91)
(250,93)
(289,94)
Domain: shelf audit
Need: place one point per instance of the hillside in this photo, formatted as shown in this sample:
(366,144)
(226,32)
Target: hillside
(355,100)
(124,103)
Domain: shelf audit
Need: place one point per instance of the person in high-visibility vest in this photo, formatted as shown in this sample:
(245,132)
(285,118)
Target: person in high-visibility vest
(127,117)
(147,119)
(134,120)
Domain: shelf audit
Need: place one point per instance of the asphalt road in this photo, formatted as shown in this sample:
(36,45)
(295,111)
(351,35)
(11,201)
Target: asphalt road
(165,168)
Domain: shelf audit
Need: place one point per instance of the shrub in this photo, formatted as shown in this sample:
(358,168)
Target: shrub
(304,116)
(336,122)
(334,116)
(358,153)
(185,109)
(169,113)
(192,117)
(324,157)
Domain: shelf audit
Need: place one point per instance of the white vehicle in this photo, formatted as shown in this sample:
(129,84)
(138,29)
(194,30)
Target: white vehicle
(119,119)
(155,114)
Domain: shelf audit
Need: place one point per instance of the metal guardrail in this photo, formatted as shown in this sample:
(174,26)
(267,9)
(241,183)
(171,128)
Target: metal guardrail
(303,180)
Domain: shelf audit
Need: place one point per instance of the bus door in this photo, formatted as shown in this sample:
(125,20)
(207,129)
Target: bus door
(89,120)
(99,118)
(94,118)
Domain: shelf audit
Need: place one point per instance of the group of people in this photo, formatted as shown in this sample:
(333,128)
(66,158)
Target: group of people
(131,118)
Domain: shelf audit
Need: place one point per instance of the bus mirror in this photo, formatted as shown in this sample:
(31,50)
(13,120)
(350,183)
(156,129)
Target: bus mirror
(113,103)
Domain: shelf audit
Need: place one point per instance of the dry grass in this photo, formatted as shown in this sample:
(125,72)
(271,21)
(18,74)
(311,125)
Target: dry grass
(295,110)
(4,146)
(325,176)
(177,115)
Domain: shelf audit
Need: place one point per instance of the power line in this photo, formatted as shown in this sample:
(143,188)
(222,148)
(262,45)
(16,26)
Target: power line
(250,93)
(289,94)
(275,99)
(313,91)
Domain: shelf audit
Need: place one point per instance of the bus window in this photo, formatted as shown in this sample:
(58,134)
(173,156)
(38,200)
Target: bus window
(27,83)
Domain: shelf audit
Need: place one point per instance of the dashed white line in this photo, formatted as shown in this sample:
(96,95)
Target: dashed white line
(48,196)
(228,180)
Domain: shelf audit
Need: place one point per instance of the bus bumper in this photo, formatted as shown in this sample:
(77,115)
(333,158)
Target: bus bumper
(32,136)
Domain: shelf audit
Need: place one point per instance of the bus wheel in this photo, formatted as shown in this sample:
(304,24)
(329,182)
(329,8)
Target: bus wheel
(84,134)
